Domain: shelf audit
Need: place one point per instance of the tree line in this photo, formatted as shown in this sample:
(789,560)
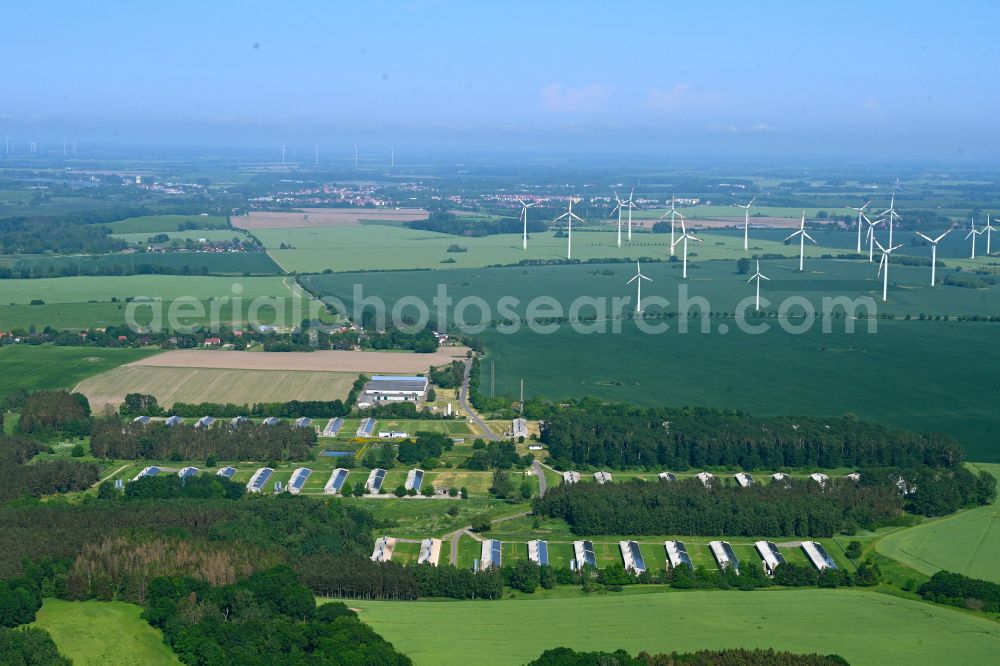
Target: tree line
(448,223)
(732,657)
(794,508)
(620,436)
(52,412)
(249,441)
(955,589)
(29,646)
(139,404)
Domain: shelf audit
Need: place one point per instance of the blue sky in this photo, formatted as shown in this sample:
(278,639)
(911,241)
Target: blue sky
(909,77)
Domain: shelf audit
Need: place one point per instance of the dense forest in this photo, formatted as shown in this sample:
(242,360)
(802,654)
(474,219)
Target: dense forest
(620,436)
(48,412)
(249,441)
(267,618)
(732,657)
(40,478)
(29,646)
(796,508)
(449,223)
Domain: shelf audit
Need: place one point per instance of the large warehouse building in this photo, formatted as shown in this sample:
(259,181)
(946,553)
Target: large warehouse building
(393,388)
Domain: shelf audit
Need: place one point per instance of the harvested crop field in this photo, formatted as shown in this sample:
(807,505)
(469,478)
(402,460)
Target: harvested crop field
(325,217)
(194,385)
(317,361)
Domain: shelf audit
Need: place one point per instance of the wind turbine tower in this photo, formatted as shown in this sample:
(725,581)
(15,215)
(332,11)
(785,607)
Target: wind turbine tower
(883,268)
(355,156)
(801,233)
(631,204)
(524,218)
(282,147)
(618,208)
(933,242)
(638,278)
(674,214)
(988,230)
(746,223)
(972,234)
(893,215)
(684,237)
(569,215)
(758,276)
(861,216)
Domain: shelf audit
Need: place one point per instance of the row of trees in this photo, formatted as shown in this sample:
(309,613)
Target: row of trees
(249,441)
(731,657)
(448,223)
(619,436)
(955,589)
(29,646)
(137,404)
(796,508)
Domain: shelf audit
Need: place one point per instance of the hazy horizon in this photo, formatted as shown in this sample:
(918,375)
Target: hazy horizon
(894,82)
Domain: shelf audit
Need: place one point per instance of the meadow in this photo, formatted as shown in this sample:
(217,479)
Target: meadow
(966,542)
(862,626)
(33,368)
(194,385)
(95,633)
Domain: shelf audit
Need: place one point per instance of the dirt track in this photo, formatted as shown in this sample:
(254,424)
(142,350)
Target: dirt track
(325,217)
(333,361)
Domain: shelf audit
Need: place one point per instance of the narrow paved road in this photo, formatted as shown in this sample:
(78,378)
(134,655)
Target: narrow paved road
(540,473)
(463,400)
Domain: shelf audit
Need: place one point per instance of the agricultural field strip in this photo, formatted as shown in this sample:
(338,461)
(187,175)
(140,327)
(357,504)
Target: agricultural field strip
(322,360)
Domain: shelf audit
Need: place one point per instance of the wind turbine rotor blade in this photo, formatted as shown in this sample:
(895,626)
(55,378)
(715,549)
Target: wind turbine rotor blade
(942,236)
(793,235)
(808,236)
(879,245)
(927,238)
(765,277)
(634,278)
(648,279)
(752,278)
(881,264)
(894,248)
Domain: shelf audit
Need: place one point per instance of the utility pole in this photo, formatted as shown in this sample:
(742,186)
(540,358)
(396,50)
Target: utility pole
(521,408)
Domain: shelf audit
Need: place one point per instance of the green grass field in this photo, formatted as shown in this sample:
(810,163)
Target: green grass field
(967,542)
(864,627)
(95,633)
(31,368)
(85,302)
(151,224)
(163,287)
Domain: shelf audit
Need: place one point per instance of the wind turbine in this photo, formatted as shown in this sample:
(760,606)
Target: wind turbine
(870,235)
(758,276)
(746,222)
(933,242)
(355,155)
(282,147)
(569,215)
(801,233)
(972,234)
(893,215)
(988,230)
(861,216)
(524,218)
(673,213)
(684,237)
(883,268)
(631,204)
(638,278)
(619,209)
